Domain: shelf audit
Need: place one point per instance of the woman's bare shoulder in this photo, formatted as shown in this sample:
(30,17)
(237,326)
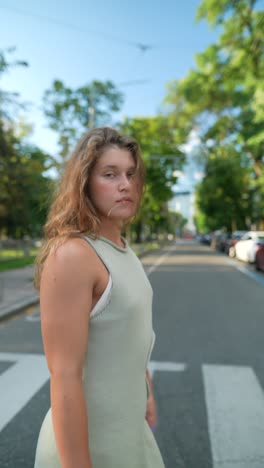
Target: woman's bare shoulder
(74,257)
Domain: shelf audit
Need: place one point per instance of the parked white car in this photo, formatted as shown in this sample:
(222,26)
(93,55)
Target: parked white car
(247,246)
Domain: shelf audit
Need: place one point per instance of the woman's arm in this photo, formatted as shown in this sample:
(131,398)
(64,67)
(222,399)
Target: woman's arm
(151,409)
(65,301)
(150,384)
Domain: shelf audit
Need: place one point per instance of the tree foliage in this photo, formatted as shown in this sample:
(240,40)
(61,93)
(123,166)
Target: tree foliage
(162,156)
(224,195)
(9,101)
(70,112)
(23,186)
(222,97)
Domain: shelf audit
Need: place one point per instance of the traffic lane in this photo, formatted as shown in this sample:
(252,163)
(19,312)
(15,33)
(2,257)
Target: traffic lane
(182,430)
(22,333)
(204,310)
(19,437)
(20,341)
(202,315)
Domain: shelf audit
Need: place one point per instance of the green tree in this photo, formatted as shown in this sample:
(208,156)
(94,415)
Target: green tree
(9,101)
(224,196)
(176,223)
(162,156)
(70,112)
(223,96)
(24,189)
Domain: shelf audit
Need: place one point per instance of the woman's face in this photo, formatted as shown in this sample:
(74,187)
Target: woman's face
(114,185)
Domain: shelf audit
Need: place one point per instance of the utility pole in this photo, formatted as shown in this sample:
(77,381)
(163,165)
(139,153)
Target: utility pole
(91,109)
(91,116)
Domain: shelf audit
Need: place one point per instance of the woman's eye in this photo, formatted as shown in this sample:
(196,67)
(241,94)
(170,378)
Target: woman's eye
(109,175)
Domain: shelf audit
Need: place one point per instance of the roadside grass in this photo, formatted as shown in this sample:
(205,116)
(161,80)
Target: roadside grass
(7,254)
(11,264)
(146,247)
(11,258)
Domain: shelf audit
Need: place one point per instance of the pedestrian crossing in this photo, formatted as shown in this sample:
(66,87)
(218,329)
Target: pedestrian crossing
(233,397)
(20,382)
(235,408)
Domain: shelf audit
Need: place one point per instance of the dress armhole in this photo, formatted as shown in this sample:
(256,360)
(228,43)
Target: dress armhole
(103,300)
(105,297)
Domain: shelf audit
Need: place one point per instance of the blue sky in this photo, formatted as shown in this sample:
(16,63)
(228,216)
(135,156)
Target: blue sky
(102,46)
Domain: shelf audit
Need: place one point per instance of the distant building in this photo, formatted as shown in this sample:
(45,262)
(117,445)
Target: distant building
(183,200)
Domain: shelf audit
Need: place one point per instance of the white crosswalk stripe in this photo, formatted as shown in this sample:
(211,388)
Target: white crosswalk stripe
(155,366)
(20,382)
(233,396)
(235,406)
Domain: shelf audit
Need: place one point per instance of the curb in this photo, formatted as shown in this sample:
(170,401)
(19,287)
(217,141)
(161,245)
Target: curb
(10,311)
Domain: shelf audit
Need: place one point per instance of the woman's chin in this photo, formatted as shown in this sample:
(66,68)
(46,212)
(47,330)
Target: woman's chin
(120,217)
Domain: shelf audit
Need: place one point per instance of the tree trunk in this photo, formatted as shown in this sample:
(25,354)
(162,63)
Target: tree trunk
(138,229)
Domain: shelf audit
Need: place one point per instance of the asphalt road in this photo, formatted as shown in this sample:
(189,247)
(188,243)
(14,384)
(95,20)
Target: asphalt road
(207,365)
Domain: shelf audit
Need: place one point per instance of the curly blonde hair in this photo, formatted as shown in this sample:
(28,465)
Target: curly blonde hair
(72,212)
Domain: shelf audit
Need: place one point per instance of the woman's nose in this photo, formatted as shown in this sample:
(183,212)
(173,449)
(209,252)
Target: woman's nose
(124,181)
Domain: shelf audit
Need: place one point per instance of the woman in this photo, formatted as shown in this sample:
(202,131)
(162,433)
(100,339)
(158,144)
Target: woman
(96,314)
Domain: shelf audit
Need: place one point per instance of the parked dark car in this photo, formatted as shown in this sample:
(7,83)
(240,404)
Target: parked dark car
(223,242)
(219,239)
(231,242)
(260,256)
(205,238)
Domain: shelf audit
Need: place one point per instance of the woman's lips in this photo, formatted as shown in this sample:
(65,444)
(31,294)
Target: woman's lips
(125,200)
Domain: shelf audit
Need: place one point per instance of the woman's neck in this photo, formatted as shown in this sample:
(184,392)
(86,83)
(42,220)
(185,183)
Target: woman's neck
(111,232)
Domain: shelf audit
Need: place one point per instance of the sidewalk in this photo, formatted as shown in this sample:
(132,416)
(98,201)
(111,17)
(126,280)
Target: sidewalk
(17,290)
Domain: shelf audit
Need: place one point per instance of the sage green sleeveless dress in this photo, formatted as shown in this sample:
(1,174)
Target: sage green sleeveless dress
(120,342)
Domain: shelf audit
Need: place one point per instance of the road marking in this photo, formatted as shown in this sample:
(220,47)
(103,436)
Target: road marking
(251,275)
(154,366)
(33,317)
(20,382)
(233,397)
(235,407)
(157,263)
(255,276)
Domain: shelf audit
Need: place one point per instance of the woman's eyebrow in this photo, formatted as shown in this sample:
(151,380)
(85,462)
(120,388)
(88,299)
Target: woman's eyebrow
(113,166)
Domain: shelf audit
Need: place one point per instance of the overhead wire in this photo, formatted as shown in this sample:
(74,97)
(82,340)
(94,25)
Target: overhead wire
(143,47)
